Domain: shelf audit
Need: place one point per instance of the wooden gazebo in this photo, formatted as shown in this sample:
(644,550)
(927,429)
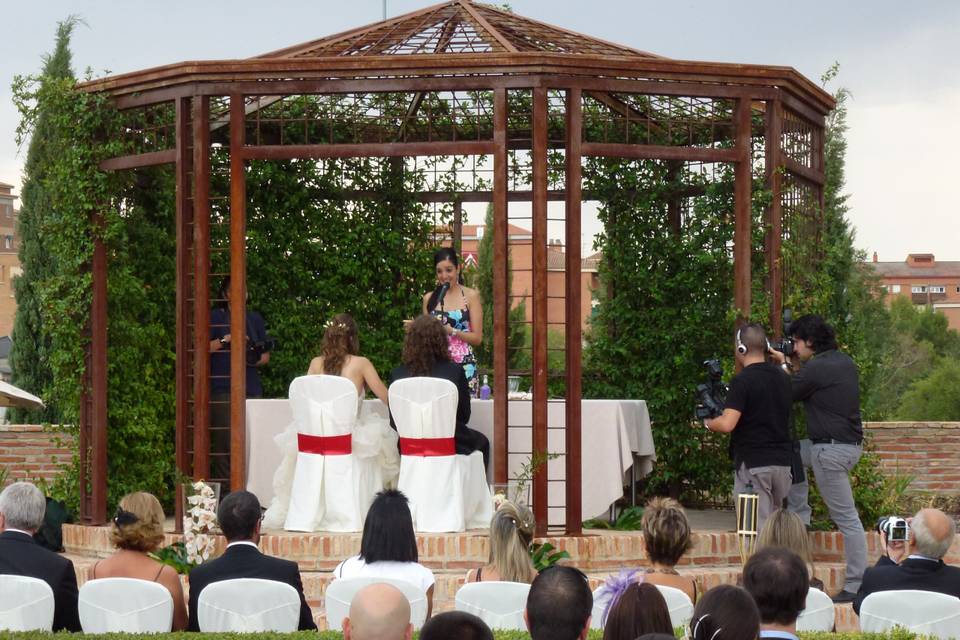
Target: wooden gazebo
(453,48)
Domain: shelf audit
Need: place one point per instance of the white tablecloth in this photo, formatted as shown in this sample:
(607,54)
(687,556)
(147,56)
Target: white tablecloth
(615,435)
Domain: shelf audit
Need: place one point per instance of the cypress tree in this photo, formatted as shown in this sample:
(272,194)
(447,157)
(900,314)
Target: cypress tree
(29,355)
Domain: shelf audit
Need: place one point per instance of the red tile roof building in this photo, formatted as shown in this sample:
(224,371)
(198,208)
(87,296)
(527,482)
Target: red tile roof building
(923,280)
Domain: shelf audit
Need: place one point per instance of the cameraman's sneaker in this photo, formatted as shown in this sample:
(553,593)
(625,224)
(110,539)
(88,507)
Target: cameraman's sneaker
(844,596)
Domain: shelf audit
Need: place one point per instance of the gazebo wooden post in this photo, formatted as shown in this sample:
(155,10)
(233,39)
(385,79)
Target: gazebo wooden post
(201,291)
(184,220)
(573,346)
(93,441)
(742,205)
(539,374)
(238,295)
(501,288)
(774,214)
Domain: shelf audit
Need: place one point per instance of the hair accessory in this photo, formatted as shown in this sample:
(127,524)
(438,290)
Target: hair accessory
(331,323)
(122,518)
(696,628)
(614,587)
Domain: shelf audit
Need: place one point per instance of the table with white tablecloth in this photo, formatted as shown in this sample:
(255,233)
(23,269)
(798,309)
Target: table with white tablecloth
(616,436)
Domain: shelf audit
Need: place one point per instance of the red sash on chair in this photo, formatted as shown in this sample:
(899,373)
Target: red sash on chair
(325,445)
(426,447)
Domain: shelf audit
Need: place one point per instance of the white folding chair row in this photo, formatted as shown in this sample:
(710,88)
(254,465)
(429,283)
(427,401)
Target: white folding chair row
(329,492)
(818,614)
(678,604)
(26,604)
(499,604)
(446,492)
(111,605)
(247,605)
(922,612)
(340,593)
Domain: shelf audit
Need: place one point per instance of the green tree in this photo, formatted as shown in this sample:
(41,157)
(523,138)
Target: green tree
(935,397)
(29,355)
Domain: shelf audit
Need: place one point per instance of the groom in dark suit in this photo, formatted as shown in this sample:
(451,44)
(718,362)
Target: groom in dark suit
(932,533)
(239,519)
(22,507)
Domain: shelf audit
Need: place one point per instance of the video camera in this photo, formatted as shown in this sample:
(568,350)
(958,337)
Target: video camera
(255,349)
(712,394)
(896,529)
(785,345)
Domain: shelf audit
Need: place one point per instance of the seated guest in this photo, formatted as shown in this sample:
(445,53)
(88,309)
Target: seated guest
(239,520)
(634,609)
(388,548)
(455,624)
(136,530)
(559,605)
(931,534)
(785,529)
(666,536)
(425,354)
(22,507)
(777,579)
(511,532)
(378,612)
(725,612)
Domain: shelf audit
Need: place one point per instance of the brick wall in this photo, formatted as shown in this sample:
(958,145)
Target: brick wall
(927,451)
(28,453)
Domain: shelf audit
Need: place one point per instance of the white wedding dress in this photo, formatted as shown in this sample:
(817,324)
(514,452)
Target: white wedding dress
(372,438)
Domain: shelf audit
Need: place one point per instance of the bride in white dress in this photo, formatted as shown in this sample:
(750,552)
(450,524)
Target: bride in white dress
(372,436)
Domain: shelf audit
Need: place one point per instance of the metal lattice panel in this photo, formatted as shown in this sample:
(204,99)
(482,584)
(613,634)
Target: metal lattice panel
(796,140)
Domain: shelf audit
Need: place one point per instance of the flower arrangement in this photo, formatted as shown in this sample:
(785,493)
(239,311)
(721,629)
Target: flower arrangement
(200,523)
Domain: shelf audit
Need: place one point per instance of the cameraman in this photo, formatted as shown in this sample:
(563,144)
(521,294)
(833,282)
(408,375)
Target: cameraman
(828,385)
(757,413)
(257,354)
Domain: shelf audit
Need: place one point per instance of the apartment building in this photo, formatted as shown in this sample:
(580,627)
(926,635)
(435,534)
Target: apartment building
(9,262)
(924,280)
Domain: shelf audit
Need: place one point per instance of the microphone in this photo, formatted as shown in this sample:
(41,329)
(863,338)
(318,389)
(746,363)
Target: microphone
(442,292)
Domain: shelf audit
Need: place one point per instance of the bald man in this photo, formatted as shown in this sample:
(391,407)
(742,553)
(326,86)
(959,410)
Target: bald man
(378,612)
(931,534)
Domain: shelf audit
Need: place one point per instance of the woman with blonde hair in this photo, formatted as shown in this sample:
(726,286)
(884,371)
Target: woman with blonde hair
(511,532)
(785,529)
(667,536)
(137,530)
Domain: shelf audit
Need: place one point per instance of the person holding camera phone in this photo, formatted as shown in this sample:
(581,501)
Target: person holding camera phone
(257,346)
(757,414)
(828,385)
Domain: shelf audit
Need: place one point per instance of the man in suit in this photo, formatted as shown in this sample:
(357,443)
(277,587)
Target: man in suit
(239,519)
(931,534)
(22,507)
(378,612)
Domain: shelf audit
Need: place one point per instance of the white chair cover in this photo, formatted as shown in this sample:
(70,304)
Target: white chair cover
(340,593)
(108,605)
(246,605)
(446,493)
(818,615)
(679,604)
(329,492)
(499,604)
(922,612)
(600,599)
(26,604)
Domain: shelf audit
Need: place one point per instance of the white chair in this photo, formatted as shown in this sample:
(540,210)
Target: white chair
(248,605)
(921,612)
(447,492)
(678,604)
(332,489)
(109,605)
(340,593)
(499,604)
(26,604)
(818,615)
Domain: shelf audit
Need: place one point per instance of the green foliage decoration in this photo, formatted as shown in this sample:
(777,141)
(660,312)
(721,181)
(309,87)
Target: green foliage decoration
(544,555)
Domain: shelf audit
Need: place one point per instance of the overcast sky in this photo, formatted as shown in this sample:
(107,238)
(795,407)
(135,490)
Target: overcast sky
(899,59)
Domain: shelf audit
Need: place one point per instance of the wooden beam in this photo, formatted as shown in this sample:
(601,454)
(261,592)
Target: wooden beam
(201,288)
(743,176)
(238,295)
(501,288)
(366,150)
(184,220)
(658,152)
(808,174)
(99,377)
(774,214)
(539,277)
(573,342)
(136,161)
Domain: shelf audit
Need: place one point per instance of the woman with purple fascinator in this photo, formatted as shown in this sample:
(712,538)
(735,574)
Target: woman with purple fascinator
(634,608)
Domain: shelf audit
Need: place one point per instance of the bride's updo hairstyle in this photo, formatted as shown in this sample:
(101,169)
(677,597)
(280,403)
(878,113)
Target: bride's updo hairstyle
(424,346)
(339,341)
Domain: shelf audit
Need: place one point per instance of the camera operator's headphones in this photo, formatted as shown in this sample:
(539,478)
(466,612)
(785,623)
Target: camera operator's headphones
(742,348)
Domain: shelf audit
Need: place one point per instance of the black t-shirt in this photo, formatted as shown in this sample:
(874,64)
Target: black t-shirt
(761,393)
